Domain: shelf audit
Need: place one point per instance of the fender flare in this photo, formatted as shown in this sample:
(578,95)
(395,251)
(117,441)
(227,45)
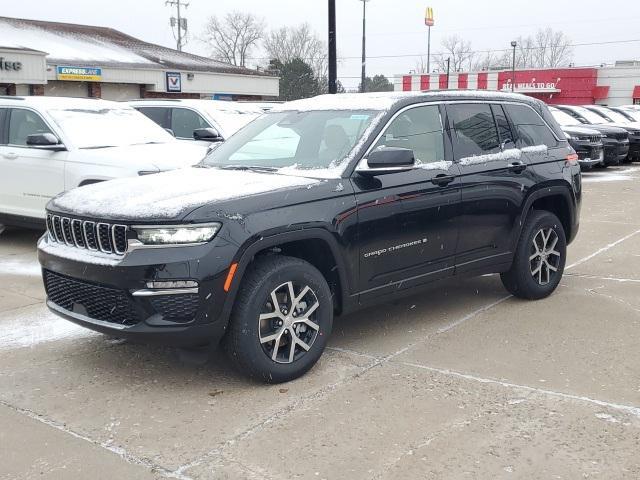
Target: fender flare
(248,251)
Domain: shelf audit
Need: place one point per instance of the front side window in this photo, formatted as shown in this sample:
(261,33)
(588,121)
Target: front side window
(185,121)
(23,123)
(160,115)
(301,140)
(474,130)
(588,115)
(418,129)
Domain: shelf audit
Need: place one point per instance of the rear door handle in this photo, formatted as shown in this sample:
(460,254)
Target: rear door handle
(517,167)
(442,180)
(10,155)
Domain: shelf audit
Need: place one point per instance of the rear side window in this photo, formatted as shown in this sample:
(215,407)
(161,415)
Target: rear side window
(3,126)
(184,122)
(474,130)
(531,129)
(418,129)
(23,123)
(160,115)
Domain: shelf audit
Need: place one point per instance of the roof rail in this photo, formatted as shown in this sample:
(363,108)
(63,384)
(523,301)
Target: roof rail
(11,97)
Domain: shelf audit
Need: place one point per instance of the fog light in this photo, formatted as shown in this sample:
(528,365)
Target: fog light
(174,284)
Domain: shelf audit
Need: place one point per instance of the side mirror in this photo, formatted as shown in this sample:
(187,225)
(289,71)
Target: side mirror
(386,160)
(207,135)
(45,141)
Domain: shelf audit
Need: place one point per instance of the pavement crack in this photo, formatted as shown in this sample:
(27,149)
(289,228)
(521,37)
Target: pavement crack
(119,451)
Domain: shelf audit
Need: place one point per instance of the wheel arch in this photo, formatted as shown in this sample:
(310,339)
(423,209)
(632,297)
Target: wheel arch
(312,245)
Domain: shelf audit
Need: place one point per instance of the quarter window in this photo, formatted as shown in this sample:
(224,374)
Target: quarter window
(184,122)
(418,129)
(504,129)
(23,123)
(531,129)
(474,130)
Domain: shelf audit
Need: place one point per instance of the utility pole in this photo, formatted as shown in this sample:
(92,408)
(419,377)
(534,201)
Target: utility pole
(514,44)
(364,48)
(333,67)
(178,20)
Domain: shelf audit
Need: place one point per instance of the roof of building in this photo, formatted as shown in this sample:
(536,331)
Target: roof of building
(86,45)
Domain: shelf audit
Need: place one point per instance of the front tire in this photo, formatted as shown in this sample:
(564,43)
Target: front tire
(540,258)
(281,320)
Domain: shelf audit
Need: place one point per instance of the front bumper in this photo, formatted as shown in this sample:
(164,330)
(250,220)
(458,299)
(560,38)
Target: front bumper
(112,295)
(615,151)
(589,154)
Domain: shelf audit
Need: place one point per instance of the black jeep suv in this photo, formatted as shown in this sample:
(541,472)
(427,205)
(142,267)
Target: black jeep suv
(318,208)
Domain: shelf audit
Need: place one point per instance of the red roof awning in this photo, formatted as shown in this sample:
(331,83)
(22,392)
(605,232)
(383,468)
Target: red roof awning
(600,93)
(636,92)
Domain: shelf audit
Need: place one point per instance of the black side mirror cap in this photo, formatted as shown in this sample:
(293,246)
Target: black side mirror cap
(45,141)
(207,135)
(386,160)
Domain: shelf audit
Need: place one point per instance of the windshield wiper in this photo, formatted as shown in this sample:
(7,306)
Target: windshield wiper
(256,168)
(97,147)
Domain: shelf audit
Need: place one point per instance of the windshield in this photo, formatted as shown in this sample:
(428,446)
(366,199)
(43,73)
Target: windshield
(634,114)
(304,141)
(591,117)
(108,127)
(615,116)
(564,118)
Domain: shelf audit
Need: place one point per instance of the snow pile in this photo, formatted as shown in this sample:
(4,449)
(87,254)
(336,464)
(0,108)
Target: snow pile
(170,194)
(535,149)
(441,165)
(20,266)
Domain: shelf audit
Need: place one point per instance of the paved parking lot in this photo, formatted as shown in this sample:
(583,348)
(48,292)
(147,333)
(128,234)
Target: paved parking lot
(462,381)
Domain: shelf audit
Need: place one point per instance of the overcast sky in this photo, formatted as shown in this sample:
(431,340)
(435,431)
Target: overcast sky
(396,32)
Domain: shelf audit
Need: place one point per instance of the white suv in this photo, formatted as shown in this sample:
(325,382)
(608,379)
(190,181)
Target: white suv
(52,144)
(205,121)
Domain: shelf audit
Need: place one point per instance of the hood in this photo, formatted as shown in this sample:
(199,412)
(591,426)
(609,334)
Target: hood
(572,130)
(171,195)
(607,129)
(163,156)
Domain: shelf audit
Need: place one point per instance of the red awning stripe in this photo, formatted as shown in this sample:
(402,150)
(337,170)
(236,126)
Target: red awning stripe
(636,92)
(600,93)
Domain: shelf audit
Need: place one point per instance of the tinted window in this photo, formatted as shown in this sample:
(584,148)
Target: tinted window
(160,115)
(3,130)
(184,122)
(531,129)
(474,131)
(418,129)
(23,123)
(504,129)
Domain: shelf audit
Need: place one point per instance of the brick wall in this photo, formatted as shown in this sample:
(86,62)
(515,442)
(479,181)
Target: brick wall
(94,89)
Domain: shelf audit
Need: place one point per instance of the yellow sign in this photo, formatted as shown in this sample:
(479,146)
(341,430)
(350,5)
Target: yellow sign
(428,17)
(79,74)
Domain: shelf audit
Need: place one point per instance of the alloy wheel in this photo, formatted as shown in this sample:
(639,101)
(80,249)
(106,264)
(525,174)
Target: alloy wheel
(287,325)
(544,259)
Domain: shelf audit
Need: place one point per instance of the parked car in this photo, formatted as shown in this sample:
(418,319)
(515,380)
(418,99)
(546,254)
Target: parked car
(615,139)
(618,119)
(268,238)
(585,141)
(631,114)
(52,144)
(207,121)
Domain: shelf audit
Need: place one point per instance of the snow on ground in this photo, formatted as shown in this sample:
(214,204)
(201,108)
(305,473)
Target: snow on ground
(34,325)
(24,266)
(622,175)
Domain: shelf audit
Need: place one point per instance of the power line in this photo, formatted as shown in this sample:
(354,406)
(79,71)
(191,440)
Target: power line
(178,21)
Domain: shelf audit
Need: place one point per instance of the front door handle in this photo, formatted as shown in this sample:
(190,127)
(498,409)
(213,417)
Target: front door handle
(10,155)
(517,167)
(442,180)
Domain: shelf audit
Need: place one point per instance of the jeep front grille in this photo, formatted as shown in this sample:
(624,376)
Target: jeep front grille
(96,236)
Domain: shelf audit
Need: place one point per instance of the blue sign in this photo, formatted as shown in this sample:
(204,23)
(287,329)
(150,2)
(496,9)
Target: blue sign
(79,74)
(174,82)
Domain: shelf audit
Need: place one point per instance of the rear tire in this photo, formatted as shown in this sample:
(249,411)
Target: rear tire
(540,258)
(281,320)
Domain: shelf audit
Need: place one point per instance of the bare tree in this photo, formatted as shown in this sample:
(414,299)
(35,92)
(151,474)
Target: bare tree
(458,50)
(421,65)
(552,49)
(288,43)
(233,37)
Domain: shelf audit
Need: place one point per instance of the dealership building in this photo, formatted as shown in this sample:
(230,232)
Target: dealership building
(606,85)
(61,59)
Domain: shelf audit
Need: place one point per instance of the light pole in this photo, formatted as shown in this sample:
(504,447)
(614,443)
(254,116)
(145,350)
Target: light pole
(429,22)
(364,46)
(514,44)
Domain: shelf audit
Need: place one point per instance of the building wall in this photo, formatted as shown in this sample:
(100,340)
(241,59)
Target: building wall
(32,71)
(58,88)
(621,82)
(120,91)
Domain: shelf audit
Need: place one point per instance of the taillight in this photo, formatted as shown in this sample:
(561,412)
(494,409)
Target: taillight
(572,160)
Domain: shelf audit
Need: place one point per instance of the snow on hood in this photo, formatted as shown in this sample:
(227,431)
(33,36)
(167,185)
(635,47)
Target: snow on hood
(164,156)
(579,130)
(170,194)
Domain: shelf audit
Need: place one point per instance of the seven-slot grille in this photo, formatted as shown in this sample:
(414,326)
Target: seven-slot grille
(96,236)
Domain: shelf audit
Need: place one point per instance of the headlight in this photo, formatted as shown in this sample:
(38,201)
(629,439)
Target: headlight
(178,235)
